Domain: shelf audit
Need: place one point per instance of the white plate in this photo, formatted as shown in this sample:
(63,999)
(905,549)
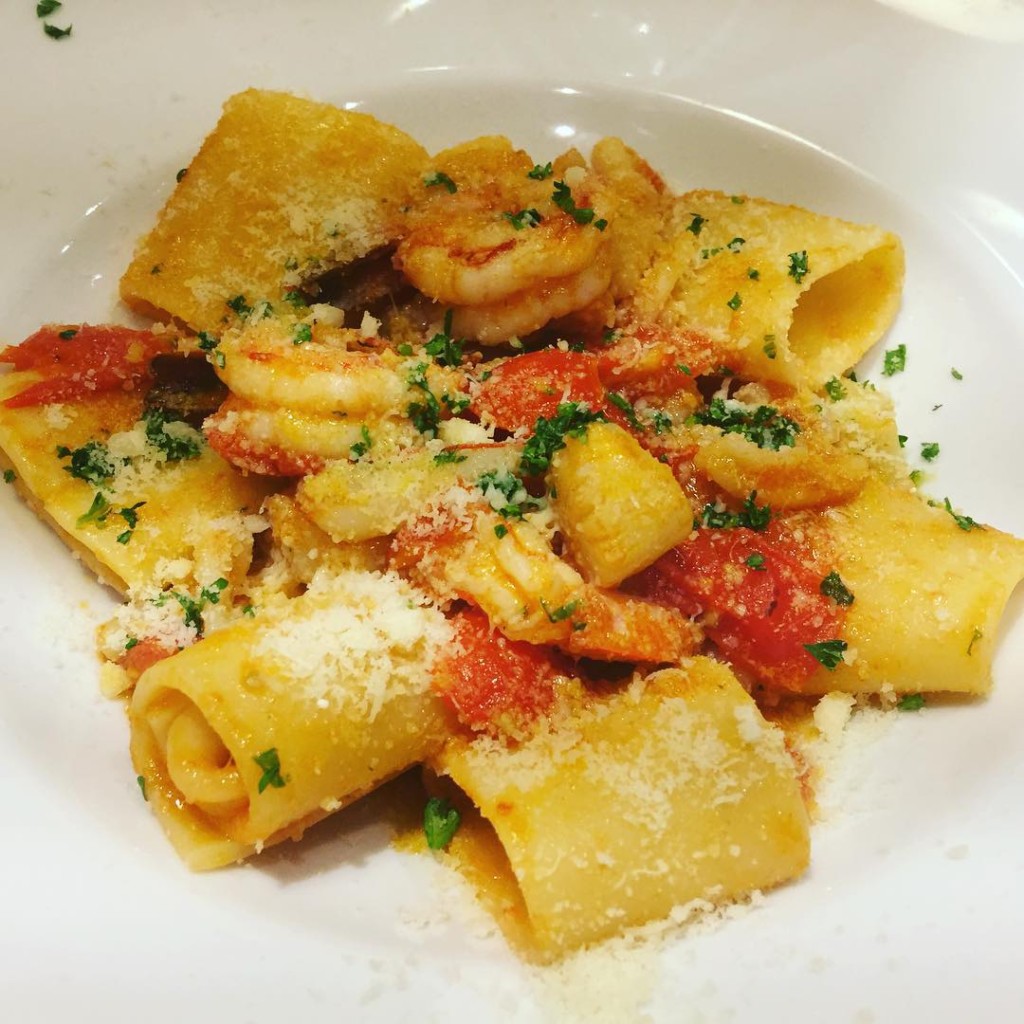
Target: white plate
(913,906)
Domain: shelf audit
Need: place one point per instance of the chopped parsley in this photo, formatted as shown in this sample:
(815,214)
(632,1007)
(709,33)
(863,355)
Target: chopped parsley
(405,349)
(798,265)
(769,349)
(181,174)
(696,224)
(683,368)
(141,782)
(425,414)
(303,333)
(175,445)
(755,561)
(834,389)
(443,347)
(46,7)
(91,463)
(506,494)
(929,450)
(735,302)
(250,610)
(562,613)
(895,361)
(833,586)
(448,457)
(295,298)
(156,268)
(271,765)
(57,33)
(239,306)
(964,522)
(976,635)
(96,513)
(764,425)
(523,219)
(916,476)
(626,408)
(736,244)
(360,448)
(539,173)
(828,652)
(68,334)
(440,823)
(753,273)
(8,476)
(910,702)
(902,438)
(549,435)
(661,421)
(192,607)
(442,179)
(500,530)
(752,516)
(610,336)
(738,200)
(131,517)
(562,198)
(131,642)
(956,374)
(208,343)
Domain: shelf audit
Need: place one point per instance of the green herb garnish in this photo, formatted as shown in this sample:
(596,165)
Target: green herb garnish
(440,823)
(910,702)
(442,179)
(764,425)
(828,652)
(798,265)
(833,586)
(895,361)
(523,219)
(271,765)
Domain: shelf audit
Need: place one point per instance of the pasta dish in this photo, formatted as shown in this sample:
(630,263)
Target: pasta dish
(540,479)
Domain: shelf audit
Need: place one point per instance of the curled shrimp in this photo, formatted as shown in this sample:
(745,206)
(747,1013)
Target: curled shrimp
(303,395)
(508,251)
(318,369)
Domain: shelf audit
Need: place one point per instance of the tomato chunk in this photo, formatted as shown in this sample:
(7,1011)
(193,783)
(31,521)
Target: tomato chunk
(494,682)
(760,603)
(529,386)
(78,361)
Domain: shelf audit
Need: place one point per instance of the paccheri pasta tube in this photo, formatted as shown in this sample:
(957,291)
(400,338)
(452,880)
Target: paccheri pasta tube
(780,293)
(263,728)
(673,790)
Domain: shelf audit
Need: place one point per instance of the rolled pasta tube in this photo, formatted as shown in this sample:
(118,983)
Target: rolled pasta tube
(928,594)
(674,790)
(783,293)
(262,729)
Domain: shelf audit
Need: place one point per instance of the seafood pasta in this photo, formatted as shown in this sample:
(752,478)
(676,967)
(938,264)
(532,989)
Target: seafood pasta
(539,479)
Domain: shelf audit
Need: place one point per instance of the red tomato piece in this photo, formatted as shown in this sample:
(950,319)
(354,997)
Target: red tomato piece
(79,361)
(761,603)
(526,387)
(493,681)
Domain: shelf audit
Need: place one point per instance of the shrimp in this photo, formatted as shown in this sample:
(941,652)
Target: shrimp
(319,369)
(509,251)
(276,441)
(303,395)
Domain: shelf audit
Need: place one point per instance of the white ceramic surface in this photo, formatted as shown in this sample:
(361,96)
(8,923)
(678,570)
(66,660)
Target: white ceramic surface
(914,906)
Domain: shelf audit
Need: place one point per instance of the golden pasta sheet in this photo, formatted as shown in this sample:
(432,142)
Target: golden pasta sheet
(929,588)
(265,727)
(782,293)
(282,189)
(673,790)
(130,491)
